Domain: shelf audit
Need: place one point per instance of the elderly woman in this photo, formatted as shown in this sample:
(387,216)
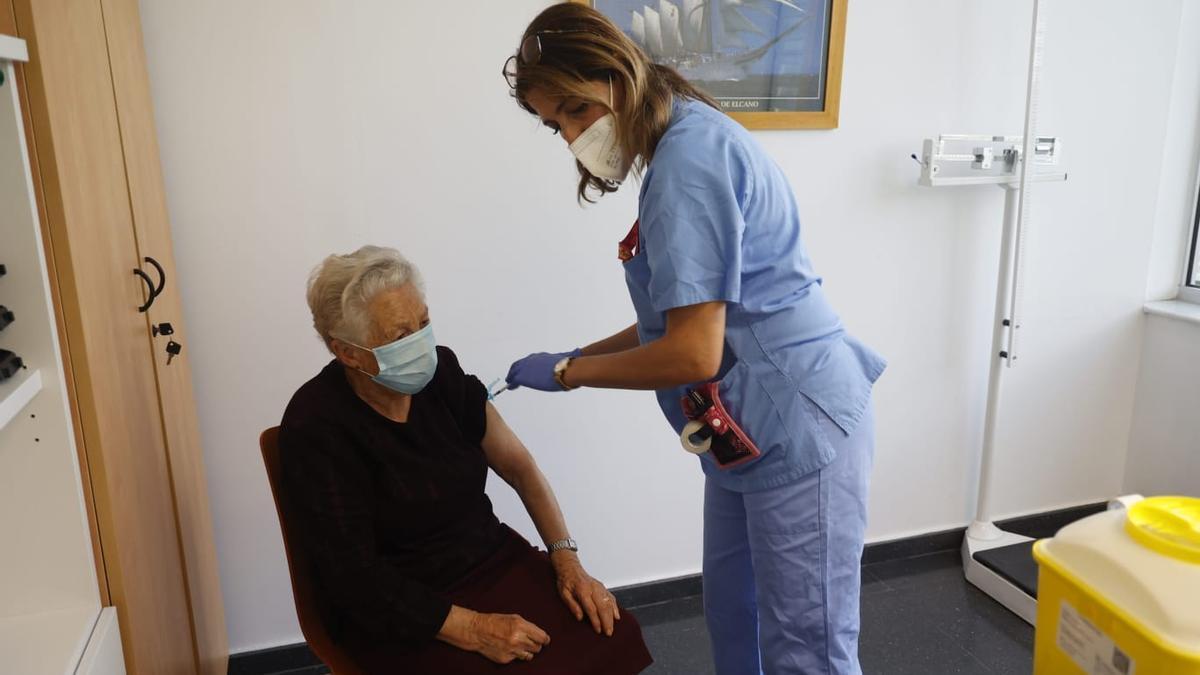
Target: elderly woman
(385,456)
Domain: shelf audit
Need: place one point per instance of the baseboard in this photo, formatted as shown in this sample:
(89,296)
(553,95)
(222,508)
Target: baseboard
(297,658)
(1045,524)
(1035,525)
(911,547)
(654,592)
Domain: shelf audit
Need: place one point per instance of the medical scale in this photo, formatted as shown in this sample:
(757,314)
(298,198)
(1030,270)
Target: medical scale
(1001,563)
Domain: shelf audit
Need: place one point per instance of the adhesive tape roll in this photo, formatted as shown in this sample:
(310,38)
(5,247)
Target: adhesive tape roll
(686,438)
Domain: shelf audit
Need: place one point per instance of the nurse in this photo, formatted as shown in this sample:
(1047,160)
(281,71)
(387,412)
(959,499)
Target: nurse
(724,291)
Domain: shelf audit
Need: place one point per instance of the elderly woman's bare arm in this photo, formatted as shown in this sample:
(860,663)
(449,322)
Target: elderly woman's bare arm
(512,461)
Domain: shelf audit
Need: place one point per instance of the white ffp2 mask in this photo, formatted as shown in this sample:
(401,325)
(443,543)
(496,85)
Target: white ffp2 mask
(599,151)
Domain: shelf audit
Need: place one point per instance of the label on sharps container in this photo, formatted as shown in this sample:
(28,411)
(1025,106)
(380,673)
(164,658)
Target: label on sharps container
(1088,647)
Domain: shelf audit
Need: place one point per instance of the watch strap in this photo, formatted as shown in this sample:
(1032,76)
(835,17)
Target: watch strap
(567,544)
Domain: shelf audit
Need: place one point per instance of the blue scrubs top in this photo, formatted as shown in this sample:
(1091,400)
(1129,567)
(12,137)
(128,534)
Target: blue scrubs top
(719,222)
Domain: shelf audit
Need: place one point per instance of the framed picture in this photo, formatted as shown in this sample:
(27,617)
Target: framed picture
(771,64)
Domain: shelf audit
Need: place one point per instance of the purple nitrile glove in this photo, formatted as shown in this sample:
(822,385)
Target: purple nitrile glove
(536,371)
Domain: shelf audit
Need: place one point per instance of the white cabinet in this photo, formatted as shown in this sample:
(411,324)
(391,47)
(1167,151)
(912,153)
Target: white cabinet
(50,616)
(103,655)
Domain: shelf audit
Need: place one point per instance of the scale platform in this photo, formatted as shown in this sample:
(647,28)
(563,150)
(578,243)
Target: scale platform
(1001,564)
(1014,563)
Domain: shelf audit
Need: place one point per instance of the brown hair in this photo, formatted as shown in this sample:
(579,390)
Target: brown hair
(581,45)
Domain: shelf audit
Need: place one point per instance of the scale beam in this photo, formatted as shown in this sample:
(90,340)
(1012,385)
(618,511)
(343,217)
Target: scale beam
(963,159)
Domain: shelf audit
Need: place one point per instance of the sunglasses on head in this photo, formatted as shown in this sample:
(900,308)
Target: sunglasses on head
(530,53)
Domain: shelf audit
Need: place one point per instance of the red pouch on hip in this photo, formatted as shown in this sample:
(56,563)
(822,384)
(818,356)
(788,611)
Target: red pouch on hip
(713,430)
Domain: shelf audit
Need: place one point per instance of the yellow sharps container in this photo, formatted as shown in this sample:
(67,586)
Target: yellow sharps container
(1119,592)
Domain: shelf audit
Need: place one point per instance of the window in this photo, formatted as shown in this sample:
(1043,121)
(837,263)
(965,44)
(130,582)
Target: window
(1191,281)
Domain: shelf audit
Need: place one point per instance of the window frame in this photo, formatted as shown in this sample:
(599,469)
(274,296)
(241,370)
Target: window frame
(1189,288)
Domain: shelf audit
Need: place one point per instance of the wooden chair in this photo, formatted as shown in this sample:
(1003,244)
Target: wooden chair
(300,568)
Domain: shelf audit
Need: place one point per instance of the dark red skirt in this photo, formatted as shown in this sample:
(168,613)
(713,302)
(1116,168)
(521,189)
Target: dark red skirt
(519,579)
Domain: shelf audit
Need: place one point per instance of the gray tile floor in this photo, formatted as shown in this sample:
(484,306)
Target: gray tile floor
(919,617)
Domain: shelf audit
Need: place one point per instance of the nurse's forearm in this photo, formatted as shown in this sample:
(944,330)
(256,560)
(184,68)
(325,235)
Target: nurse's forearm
(690,351)
(652,366)
(626,339)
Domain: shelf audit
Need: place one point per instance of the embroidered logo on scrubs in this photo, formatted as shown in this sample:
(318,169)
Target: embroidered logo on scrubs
(627,248)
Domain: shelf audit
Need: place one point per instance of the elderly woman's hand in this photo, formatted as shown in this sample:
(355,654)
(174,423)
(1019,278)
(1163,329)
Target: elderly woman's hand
(583,594)
(504,638)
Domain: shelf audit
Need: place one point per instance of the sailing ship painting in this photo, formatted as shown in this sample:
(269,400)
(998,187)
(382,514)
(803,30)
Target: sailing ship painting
(751,55)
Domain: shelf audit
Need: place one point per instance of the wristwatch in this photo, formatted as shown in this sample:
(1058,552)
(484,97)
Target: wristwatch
(567,544)
(560,372)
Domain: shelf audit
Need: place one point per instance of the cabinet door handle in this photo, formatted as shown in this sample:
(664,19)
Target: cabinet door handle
(162,276)
(150,296)
(153,290)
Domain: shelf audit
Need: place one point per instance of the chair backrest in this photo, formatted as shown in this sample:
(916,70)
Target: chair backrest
(300,567)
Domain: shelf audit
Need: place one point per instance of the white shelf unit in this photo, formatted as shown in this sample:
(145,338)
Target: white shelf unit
(103,655)
(17,392)
(77,640)
(47,642)
(49,593)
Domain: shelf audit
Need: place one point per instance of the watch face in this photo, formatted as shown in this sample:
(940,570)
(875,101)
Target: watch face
(560,371)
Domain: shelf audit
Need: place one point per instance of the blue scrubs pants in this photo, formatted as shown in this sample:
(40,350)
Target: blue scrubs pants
(781,567)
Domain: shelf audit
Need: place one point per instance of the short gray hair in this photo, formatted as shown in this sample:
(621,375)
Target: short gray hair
(342,286)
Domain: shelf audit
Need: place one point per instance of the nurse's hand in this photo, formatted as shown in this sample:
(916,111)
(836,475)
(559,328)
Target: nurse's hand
(583,595)
(536,371)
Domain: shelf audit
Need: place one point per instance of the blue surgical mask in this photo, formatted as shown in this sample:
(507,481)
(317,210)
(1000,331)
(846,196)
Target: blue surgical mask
(408,364)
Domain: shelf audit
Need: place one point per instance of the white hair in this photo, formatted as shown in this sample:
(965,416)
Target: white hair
(342,286)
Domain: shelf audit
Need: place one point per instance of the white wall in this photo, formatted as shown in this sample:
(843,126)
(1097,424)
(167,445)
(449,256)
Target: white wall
(1181,159)
(1164,443)
(293,129)
(1164,446)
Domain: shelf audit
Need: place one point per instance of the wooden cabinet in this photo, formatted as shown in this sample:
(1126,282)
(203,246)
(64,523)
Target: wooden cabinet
(92,139)
(51,619)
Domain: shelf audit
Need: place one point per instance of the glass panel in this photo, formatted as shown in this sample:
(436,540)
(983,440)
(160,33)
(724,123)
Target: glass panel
(1193,278)
(751,55)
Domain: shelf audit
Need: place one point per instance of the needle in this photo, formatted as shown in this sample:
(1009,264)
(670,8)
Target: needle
(493,392)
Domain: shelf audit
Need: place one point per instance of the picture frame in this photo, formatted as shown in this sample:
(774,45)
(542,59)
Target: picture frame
(771,64)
